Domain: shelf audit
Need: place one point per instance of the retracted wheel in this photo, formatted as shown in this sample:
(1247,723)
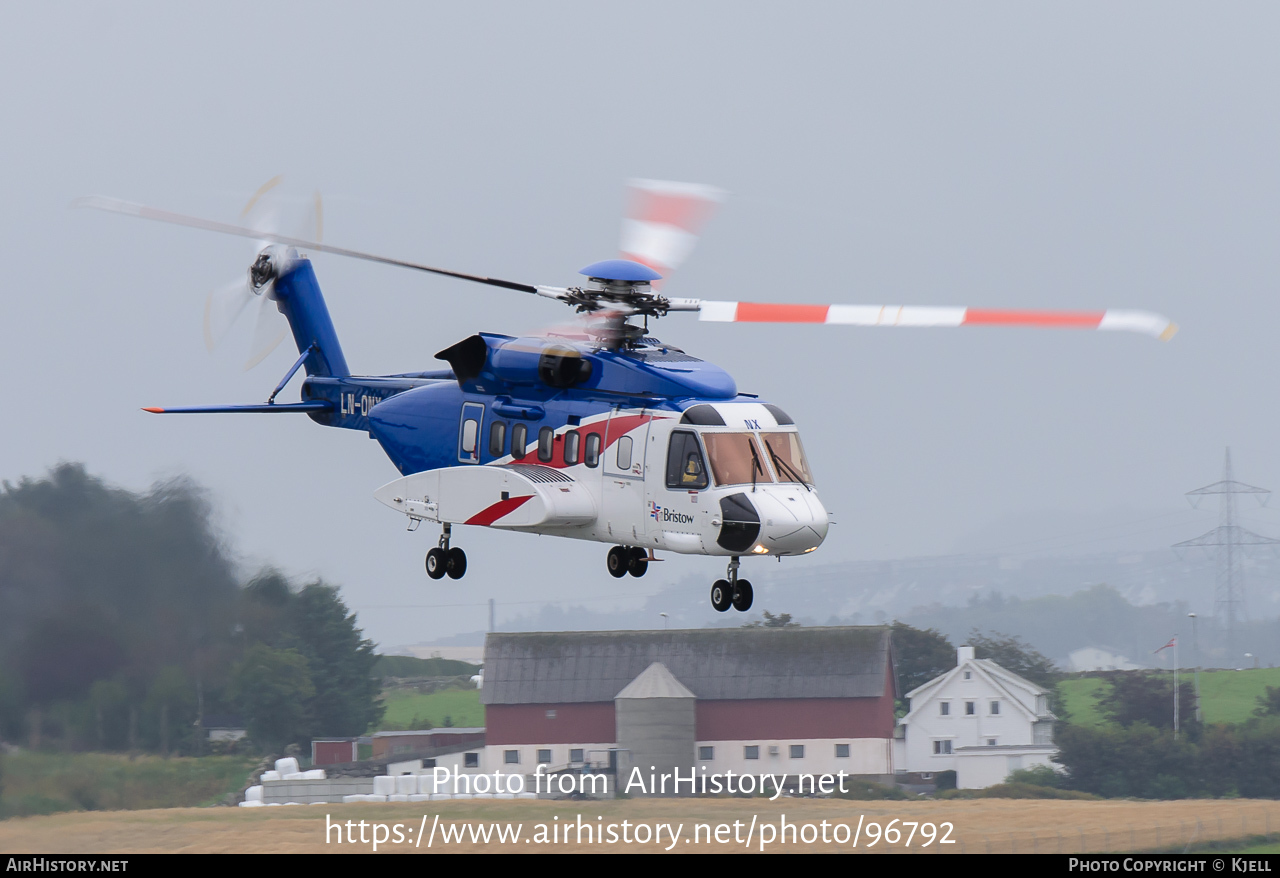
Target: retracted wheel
(721,595)
(436,563)
(455,563)
(637,561)
(618,561)
(742,596)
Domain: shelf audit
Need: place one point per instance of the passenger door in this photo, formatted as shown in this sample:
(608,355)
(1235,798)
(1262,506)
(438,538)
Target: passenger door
(469,435)
(622,498)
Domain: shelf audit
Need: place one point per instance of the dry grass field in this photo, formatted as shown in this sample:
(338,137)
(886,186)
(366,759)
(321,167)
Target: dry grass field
(980,825)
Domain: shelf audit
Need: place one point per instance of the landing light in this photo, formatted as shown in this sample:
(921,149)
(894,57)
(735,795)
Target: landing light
(760,550)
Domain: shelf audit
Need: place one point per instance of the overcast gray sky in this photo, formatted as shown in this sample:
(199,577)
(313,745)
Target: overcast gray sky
(1080,155)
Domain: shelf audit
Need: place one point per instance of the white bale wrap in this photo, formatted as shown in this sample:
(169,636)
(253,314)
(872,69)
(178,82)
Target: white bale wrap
(287,765)
(376,798)
(314,774)
(398,797)
(295,775)
(254,793)
(406,784)
(250,804)
(270,775)
(384,785)
(419,797)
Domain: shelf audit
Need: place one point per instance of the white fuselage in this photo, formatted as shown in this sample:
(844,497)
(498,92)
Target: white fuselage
(626,478)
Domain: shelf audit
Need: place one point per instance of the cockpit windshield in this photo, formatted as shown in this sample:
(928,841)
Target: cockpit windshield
(736,458)
(787,455)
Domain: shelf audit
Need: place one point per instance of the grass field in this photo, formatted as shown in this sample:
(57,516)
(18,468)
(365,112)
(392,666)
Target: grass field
(411,710)
(1225,696)
(46,783)
(978,826)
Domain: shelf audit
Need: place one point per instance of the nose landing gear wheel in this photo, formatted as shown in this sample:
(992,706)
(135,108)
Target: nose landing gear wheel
(436,563)
(637,561)
(455,563)
(618,561)
(742,596)
(721,595)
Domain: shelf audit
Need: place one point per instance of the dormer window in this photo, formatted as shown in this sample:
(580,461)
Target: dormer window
(968,675)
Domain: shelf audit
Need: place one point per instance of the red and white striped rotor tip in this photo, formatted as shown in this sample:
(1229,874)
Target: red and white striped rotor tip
(1143,322)
(663,221)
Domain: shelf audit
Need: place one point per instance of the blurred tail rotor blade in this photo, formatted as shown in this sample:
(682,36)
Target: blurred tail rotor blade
(663,221)
(1144,322)
(269,330)
(222,308)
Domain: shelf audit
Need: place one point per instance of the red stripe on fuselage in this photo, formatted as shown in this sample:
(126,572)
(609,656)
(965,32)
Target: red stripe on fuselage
(488,516)
(1060,319)
(618,427)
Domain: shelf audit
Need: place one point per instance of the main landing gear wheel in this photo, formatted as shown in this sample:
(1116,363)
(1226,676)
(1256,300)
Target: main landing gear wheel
(721,595)
(455,562)
(742,596)
(618,561)
(637,561)
(436,563)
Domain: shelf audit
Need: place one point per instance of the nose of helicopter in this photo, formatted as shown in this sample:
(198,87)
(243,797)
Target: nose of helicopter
(793,520)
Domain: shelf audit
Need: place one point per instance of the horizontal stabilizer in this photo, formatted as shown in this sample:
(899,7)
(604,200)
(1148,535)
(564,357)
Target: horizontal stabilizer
(302,407)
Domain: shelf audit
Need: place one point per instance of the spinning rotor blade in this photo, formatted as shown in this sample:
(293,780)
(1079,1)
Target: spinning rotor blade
(268,331)
(1144,322)
(222,308)
(114,205)
(663,221)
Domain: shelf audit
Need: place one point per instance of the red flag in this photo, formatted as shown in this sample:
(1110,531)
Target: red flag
(1173,641)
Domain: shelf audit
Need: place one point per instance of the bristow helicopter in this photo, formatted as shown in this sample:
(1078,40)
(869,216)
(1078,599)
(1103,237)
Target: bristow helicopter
(606,435)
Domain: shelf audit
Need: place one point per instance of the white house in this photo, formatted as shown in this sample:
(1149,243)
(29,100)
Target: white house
(978,720)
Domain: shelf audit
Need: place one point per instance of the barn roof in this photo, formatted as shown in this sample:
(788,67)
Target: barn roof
(713,663)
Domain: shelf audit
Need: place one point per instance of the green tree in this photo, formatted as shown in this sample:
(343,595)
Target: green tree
(340,662)
(1139,696)
(782,620)
(1269,704)
(273,689)
(919,655)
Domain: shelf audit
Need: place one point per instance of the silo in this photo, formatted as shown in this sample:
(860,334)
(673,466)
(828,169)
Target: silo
(657,728)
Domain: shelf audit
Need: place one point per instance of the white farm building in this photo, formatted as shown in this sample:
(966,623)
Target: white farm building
(977,720)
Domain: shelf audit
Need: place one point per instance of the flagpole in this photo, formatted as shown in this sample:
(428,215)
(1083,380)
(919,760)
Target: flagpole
(1175,688)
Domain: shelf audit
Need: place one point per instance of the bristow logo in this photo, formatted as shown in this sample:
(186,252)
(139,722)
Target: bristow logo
(662,513)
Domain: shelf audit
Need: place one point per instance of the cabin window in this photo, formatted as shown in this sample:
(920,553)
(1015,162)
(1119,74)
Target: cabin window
(572,445)
(519,441)
(787,455)
(685,469)
(497,438)
(592,457)
(736,458)
(546,444)
(624,453)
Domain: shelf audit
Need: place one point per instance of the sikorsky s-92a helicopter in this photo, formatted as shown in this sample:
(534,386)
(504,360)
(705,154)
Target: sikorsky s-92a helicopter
(602,433)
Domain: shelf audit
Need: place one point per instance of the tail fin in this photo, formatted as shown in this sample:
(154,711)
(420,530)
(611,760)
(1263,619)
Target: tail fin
(300,301)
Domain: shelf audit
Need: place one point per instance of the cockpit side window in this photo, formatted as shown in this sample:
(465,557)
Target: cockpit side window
(736,459)
(685,467)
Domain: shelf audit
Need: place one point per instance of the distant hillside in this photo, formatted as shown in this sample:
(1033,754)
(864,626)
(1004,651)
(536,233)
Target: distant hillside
(408,666)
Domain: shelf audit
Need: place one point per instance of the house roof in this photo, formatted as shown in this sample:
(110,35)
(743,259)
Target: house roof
(1003,680)
(712,663)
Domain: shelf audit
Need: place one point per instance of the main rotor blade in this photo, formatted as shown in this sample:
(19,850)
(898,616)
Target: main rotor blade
(1143,322)
(115,205)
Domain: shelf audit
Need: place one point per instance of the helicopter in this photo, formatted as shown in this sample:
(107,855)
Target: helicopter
(600,433)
